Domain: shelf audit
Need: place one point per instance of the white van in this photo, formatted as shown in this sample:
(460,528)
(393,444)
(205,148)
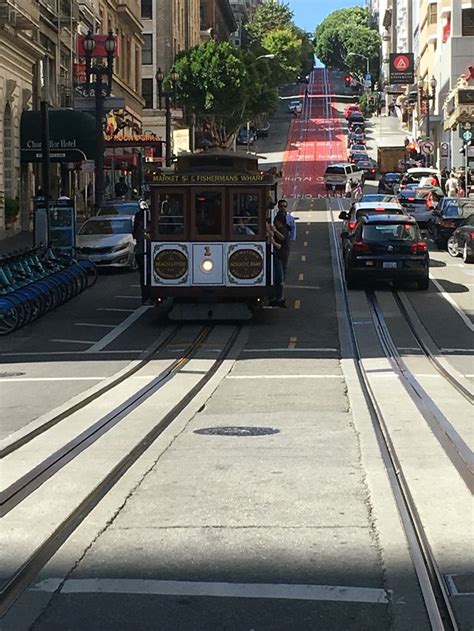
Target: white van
(336,175)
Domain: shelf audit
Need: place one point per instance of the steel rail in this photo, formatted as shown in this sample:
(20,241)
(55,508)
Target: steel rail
(37,431)
(29,482)
(432,586)
(461,388)
(20,581)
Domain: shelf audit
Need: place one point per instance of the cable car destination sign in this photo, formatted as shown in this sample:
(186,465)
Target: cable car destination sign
(225,178)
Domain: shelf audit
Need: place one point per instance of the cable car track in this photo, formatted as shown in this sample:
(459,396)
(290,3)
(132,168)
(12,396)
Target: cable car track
(23,576)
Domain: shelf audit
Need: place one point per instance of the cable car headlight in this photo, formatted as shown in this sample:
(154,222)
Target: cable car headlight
(207,265)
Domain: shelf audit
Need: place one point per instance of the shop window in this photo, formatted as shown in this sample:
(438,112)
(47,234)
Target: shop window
(171,213)
(147,50)
(147,92)
(468,22)
(245,214)
(147,9)
(208,205)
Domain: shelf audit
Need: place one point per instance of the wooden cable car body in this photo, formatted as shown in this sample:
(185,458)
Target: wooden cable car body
(208,248)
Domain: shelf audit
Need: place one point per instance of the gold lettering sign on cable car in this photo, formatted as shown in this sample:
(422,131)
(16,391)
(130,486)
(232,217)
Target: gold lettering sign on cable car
(245,264)
(170,264)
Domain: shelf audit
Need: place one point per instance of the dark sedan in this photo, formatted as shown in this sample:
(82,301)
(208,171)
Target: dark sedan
(120,208)
(389,183)
(386,247)
(461,242)
(449,214)
(368,167)
(357,156)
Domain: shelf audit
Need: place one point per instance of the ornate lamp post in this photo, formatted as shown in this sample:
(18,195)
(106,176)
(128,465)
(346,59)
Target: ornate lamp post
(159,77)
(99,70)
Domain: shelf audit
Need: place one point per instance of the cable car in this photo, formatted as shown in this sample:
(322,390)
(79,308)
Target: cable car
(207,247)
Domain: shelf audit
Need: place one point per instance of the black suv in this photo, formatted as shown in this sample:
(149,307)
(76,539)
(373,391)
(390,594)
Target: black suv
(386,247)
(449,214)
(389,183)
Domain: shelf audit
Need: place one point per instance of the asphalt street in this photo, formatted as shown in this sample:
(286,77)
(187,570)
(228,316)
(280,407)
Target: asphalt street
(294,530)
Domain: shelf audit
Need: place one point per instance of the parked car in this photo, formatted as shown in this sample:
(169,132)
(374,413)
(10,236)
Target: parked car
(262,130)
(336,175)
(358,209)
(295,107)
(386,247)
(368,167)
(450,213)
(120,208)
(461,242)
(389,183)
(107,241)
(246,137)
(420,202)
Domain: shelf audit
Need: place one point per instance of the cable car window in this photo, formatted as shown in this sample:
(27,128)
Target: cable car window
(245,214)
(208,206)
(171,213)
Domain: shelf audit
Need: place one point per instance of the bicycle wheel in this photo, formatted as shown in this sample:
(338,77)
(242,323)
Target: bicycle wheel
(9,316)
(91,270)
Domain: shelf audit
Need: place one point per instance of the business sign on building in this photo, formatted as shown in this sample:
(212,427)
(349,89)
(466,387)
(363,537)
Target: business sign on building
(402,68)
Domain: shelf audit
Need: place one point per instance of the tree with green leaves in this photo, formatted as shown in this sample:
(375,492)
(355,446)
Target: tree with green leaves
(348,31)
(225,87)
(270,16)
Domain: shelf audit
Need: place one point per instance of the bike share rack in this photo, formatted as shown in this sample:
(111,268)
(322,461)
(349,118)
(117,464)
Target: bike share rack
(35,281)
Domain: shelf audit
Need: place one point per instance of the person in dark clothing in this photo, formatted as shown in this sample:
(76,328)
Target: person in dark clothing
(280,258)
(121,188)
(140,235)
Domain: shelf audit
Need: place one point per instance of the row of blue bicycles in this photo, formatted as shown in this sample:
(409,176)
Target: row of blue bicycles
(35,281)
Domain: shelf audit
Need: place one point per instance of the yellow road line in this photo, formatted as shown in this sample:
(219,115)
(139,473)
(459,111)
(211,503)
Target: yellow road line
(292,342)
(305,244)
(303,258)
(301,277)
(307,232)
(297,304)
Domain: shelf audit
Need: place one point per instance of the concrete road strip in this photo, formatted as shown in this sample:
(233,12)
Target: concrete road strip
(32,379)
(302,287)
(53,353)
(135,297)
(116,309)
(284,377)
(123,326)
(95,324)
(73,341)
(467,321)
(285,350)
(278,591)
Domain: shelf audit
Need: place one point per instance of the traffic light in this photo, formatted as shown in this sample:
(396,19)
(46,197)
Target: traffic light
(347,80)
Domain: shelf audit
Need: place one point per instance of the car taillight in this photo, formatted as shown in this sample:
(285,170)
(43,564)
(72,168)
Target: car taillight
(419,247)
(380,209)
(360,246)
(410,199)
(445,223)
(351,224)
(372,170)
(429,203)
(471,234)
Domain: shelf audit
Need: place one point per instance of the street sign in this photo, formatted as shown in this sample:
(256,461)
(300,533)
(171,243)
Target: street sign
(427,147)
(402,67)
(88,105)
(467,135)
(444,147)
(367,83)
(368,77)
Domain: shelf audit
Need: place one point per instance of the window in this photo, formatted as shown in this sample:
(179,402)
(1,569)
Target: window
(171,217)
(147,51)
(147,92)
(389,232)
(468,22)
(432,13)
(208,206)
(147,9)
(245,214)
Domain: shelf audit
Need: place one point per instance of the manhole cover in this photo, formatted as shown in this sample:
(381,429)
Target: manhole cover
(4,375)
(237,431)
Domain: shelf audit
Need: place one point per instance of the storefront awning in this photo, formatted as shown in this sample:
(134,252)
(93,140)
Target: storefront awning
(72,136)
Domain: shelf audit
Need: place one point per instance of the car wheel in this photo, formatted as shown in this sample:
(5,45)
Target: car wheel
(424,283)
(466,257)
(453,249)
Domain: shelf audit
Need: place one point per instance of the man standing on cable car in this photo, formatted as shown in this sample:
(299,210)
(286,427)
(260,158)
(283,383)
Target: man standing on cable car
(140,235)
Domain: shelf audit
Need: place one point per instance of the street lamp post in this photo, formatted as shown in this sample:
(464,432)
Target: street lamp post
(99,70)
(159,77)
(427,98)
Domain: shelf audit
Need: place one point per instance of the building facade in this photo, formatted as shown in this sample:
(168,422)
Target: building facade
(217,20)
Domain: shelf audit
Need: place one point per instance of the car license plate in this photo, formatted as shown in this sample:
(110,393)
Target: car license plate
(389,265)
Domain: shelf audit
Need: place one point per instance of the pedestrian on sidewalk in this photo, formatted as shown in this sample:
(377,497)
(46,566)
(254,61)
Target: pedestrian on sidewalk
(141,235)
(452,186)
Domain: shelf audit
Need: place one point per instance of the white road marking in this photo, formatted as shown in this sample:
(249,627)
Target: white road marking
(114,309)
(285,350)
(118,330)
(100,326)
(47,353)
(135,297)
(302,287)
(284,377)
(74,341)
(457,350)
(454,304)
(52,379)
(278,591)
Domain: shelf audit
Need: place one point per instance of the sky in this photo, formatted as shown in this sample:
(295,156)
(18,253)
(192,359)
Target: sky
(309,13)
